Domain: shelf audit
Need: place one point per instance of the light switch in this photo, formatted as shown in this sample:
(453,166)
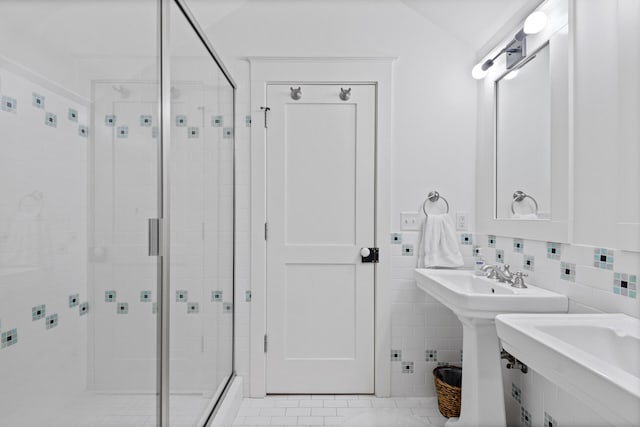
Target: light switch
(410,221)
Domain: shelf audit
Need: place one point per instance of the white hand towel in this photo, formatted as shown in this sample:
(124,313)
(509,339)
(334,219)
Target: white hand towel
(437,243)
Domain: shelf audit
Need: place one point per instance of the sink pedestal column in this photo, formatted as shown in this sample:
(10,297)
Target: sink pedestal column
(482,391)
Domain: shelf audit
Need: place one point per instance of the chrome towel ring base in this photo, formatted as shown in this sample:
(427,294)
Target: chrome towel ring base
(518,197)
(433,197)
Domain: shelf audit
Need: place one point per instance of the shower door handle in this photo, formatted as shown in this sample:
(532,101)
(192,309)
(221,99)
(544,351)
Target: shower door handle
(154,237)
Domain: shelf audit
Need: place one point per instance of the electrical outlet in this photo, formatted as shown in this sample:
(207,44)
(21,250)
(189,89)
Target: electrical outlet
(461,221)
(409,221)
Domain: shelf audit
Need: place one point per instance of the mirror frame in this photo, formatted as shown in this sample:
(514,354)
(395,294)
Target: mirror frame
(555,229)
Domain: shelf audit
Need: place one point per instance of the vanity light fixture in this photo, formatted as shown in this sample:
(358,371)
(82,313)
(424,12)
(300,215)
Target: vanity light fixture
(516,48)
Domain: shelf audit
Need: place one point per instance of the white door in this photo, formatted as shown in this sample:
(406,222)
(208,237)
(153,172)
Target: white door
(320,213)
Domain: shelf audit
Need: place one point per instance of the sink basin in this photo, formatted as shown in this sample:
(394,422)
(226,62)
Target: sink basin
(596,357)
(474,296)
(477,301)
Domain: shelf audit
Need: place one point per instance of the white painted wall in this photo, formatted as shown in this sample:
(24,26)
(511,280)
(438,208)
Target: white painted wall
(433,122)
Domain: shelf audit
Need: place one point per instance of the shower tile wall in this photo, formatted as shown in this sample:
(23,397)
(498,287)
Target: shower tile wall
(609,286)
(423,332)
(43,257)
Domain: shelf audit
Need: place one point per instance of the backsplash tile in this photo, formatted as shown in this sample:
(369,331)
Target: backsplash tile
(407,250)
(37,100)
(193,307)
(145,296)
(491,241)
(38,312)
(525,417)
(227,133)
(9,105)
(603,258)
(431,355)
(217,121)
(518,245)
(553,250)
(83,131)
(182,296)
(72,114)
(396,238)
(122,132)
(407,367)
(500,256)
(123,308)
(528,262)
(83,308)
(74,300)
(466,239)
(568,271)
(51,120)
(549,421)
(110,296)
(110,120)
(625,284)
(181,121)
(516,393)
(396,355)
(145,120)
(193,132)
(51,321)
(9,338)
(216,296)
(227,307)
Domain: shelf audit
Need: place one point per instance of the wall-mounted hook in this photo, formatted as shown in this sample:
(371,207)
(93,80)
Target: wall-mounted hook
(296,94)
(345,94)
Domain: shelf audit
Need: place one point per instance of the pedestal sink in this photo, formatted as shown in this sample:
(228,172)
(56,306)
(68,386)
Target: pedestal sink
(477,301)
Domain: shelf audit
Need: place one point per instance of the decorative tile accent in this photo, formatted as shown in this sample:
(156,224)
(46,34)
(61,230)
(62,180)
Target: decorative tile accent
(396,238)
(603,258)
(500,256)
(476,250)
(407,367)
(466,239)
(83,131)
(38,312)
(74,300)
(247,296)
(123,308)
(51,119)
(227,133)
(525,417)
(528,262)
(72,115)
(145,296)
(193,307)
(110,296)
(110,120)
(491,241)
(227,307)
(407,250)
(181,121)
(182,296)
(9,105)
(145,120)
(154,132)
(217,121)
(122,132)
(83,308)
(568,271)
(247,121)
(431,355)
(549,421)
(216,296)
(193,132)
(154,308)
(625,284)
(9,338)
(51,321)
(518,245)
(37,100)
(516,393)
(396,355)
(553,250)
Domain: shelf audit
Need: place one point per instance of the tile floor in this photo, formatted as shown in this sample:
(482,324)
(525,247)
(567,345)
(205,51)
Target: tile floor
(339,410)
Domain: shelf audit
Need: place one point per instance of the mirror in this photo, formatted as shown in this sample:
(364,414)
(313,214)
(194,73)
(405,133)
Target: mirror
(523,140)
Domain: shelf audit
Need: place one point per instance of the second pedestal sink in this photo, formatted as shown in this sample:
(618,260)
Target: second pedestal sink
(477,301)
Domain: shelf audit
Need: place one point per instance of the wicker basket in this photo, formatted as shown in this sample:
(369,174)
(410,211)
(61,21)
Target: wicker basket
(448,380)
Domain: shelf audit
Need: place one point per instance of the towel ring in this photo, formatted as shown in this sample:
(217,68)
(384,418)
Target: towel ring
(433,197)
(519,196)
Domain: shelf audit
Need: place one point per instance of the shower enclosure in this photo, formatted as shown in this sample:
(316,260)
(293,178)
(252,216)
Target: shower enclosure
(116,215)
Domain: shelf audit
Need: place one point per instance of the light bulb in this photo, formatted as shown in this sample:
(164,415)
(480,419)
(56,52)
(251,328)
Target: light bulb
(478,73)
(512,75)
(535,22)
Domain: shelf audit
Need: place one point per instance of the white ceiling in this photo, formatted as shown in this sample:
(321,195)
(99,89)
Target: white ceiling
(473,22)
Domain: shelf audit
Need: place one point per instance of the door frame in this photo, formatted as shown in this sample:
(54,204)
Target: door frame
(309,70)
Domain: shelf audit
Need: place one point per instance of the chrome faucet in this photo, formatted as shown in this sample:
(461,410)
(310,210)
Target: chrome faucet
(504,275)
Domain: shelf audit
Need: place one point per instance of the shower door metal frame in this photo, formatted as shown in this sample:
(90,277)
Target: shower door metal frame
(164,204)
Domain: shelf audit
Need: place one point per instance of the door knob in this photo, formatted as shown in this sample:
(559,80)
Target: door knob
(365,252)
